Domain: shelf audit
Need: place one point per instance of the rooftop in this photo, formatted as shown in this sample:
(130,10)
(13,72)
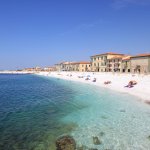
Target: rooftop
(117,57)
(81,62)
(142,55)
(126,58)
(108,53)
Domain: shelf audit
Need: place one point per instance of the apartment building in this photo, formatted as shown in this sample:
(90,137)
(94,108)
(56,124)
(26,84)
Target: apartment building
(49,69)
(140,63)
(103,62)
(63,66)
(126,64)
(82,66)
(109,62)
(114,64)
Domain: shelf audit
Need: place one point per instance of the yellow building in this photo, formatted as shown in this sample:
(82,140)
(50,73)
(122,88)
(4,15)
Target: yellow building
(100,62)
(82,66)
(140,63)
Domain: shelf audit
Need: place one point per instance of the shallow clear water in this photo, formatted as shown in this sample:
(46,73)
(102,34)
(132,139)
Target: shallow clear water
(35,111)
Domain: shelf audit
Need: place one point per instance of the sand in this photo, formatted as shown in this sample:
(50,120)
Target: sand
(118,81)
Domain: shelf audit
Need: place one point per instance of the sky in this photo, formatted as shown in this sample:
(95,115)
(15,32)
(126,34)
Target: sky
(45,32)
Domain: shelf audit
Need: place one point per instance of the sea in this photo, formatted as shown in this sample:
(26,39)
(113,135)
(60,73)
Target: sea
(36,110)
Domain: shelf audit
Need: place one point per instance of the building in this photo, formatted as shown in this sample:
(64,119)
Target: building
(48,69)
(140,63)
(126,64)
(114,64)
(63,66)
(101,63)
(35,69)
(82,66)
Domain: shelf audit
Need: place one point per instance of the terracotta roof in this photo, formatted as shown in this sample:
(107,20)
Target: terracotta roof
(141,55)
(117,57)
(81,62)
(126,58)
(84,62)
(108,53)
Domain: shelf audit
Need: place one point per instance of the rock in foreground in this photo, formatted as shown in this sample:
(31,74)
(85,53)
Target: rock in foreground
(65,143)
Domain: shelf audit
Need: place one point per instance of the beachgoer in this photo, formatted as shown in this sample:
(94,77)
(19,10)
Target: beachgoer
(94,80)
(107,82)
(87,78)
(131,83)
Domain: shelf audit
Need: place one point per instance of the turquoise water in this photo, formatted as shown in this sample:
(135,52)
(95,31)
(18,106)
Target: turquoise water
(35,111)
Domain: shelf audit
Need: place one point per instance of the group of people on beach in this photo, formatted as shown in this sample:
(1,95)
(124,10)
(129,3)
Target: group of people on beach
(129,85)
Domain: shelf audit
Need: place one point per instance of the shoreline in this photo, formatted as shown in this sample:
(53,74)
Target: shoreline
(118,81)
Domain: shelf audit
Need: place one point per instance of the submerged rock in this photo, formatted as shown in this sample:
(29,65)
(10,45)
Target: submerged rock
(148,137)
(122,110)
(104,117)
(96,141)
(102,133)
(93,149)
(65,143)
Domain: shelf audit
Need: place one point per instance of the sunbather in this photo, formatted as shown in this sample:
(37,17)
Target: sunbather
(131,83)
(107,82)
(134,82)
(94,80)
(87,78)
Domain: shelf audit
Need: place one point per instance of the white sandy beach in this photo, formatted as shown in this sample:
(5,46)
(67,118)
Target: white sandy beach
(118,81)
